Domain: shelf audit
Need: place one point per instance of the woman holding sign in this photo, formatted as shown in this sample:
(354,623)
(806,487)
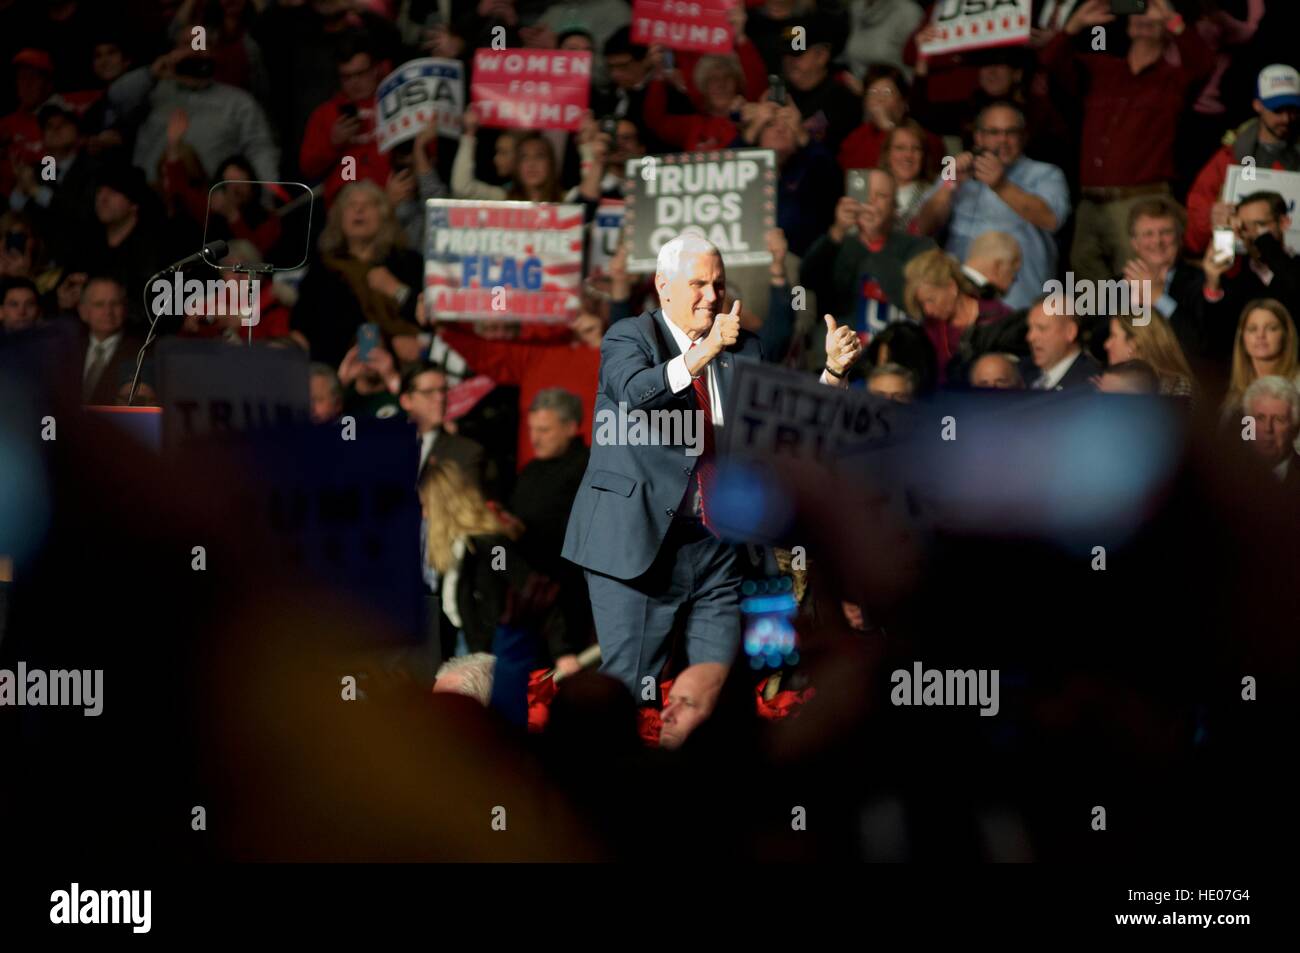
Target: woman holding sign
(534,172)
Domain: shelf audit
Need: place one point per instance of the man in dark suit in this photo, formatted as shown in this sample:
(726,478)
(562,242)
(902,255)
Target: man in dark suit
(105,346)
(1155,228)
(1054,347)
(640,522)
(1274,404)
(424,398)
(542,499)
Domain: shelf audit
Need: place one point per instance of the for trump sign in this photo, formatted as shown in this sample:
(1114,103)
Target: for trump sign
(531,89)
(698,25)
(973,24)
(728,197)
(502,261)
(415,93)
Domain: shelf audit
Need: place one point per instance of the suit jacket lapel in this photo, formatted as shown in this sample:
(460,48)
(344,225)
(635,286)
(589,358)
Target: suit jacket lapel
(725,363)
(667,344)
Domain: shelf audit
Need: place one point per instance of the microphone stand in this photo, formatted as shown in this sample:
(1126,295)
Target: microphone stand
(261,268)
(153,326)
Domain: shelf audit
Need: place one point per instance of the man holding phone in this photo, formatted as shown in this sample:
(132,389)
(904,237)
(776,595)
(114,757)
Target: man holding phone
(1271,140)
(1268,270)
(344,125)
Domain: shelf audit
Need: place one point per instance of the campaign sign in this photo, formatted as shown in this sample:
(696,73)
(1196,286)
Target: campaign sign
(416,92)
(774,412)
(343,514)
(213,388)
(974,24)
(778,418)
(1286,184)
(502,261)
(698,25)
(728,197)
(605,231)
(531,89)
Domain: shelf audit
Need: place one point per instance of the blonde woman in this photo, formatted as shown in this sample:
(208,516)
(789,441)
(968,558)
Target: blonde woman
(1265,345)
(1155,343)
(361,274)
(460,530)
(948,306)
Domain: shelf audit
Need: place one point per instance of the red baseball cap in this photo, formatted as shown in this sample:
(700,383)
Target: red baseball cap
(36,59)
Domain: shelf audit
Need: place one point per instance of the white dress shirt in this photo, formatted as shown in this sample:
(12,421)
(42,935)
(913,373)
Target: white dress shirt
(679,375)
(426,446)
(1052,376)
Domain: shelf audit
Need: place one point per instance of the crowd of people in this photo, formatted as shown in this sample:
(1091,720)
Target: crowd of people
(985,176)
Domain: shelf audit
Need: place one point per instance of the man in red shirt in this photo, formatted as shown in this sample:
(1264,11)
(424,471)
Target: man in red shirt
(20,131)
(344,125)
(1130,115)
(1272,139)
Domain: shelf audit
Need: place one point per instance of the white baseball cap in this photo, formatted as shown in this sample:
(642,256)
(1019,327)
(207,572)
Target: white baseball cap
(1279,87)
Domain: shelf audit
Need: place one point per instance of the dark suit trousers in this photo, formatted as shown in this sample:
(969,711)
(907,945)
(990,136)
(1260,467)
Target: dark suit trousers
(692,589)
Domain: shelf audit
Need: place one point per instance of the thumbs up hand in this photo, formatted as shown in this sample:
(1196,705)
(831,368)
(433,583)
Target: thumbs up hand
(843,347)
(726,329)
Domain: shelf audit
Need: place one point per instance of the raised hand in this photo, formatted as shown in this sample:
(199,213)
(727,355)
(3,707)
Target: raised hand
(726,328)
(843,346)
(1091,13)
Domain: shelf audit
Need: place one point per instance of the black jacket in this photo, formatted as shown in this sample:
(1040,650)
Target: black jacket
(328,313)
(1218,323)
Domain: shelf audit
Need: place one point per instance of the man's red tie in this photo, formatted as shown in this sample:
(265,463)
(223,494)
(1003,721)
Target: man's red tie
(704,467)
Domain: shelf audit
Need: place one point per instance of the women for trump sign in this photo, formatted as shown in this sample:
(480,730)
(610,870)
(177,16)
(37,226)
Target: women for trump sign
(531,89)
(502,261)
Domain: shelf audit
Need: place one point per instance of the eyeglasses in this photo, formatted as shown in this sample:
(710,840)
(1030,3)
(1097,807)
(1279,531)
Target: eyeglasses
(1009,132)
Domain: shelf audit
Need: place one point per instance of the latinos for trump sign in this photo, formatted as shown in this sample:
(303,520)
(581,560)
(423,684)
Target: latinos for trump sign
(774,412)
(531,89)
(502,261)
(728,197)
(775,417)
(415,93)
(698,25)
(972,24)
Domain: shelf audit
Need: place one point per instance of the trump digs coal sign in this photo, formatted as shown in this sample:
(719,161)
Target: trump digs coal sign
(728,197)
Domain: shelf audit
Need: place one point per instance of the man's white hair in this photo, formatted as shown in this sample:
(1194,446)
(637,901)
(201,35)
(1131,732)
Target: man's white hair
(994,246)
(1279,388)
(475,672)
(687,244)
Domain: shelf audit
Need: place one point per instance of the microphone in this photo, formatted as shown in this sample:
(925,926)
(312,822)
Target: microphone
(214,251)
